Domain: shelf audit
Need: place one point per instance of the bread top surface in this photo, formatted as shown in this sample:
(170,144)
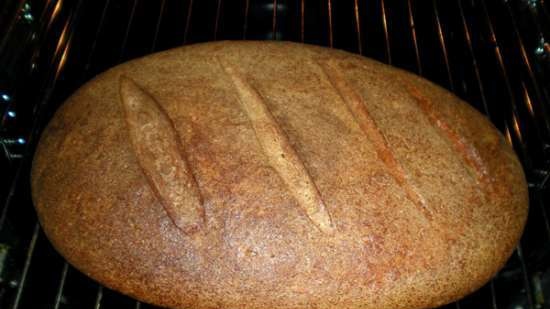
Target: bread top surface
(277,175)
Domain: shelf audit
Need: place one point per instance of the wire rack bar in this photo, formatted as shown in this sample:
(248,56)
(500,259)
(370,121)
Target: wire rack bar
(493,294)
(96,37)
(128,27)
(57,63)
(529,67)
(55,71)
(443,45)
(302,19)
(17,175)
(26,267)
(162,11)
(11,26)
(468,39)
(11,193)
(386,35)
(98,297)
(413,36)
(538,13)
(330,34)
(159,22)
(48,14)
(217,21)
(526,281)
(188,20)
(538,198)
(245,23)
(61,286)
(274,21)
(358,26)
(504,72)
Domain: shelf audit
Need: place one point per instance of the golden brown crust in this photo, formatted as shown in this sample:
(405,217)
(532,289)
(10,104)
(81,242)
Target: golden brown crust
(301,177)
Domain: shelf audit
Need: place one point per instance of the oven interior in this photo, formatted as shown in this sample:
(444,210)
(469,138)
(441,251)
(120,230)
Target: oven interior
(492,53)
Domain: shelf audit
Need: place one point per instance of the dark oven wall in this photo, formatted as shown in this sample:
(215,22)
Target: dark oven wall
(492,53)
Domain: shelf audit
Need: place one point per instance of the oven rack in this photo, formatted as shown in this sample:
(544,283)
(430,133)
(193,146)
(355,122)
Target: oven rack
(492,53)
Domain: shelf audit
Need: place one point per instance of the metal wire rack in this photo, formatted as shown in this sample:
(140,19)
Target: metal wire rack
(492,53)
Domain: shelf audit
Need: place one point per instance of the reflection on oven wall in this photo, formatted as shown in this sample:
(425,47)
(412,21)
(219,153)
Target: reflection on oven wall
(495,54)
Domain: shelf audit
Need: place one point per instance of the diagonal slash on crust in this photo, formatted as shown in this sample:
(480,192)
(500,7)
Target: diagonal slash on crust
(357,107)
(468,152)
(279,152)
(159,152)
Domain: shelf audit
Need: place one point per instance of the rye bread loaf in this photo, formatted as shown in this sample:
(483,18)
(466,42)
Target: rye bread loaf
(277,175)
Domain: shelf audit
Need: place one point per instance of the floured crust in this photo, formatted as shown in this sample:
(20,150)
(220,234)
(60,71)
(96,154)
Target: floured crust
(277,175)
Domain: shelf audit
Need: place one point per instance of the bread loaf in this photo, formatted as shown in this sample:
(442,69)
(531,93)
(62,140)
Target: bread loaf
(277,175)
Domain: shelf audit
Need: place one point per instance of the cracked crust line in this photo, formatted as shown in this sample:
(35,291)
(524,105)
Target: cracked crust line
(160,156)
(280,153)
(468,152)
(358,108)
